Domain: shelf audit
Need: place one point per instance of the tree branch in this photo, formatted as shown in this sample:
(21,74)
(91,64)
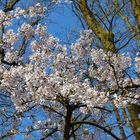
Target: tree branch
(95,26)
(98,126)
(10,6)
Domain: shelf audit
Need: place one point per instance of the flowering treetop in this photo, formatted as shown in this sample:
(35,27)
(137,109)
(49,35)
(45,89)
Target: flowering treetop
(87,78)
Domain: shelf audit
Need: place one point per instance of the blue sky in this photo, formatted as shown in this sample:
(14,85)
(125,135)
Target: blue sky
(63,23)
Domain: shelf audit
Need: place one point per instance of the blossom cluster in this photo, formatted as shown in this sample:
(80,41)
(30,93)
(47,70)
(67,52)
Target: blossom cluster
(5,20)
(84,76)
(67,81)
(61,1)
(34,11)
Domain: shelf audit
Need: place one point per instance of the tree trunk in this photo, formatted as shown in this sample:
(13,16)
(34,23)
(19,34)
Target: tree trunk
(67,126)
(134,110)
(118,118)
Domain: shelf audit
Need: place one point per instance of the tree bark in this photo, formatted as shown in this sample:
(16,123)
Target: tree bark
(136,11)
(67,126)
(134,110)
(10,6)
(118,118)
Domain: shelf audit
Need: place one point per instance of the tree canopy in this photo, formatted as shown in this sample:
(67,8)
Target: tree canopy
(76,88)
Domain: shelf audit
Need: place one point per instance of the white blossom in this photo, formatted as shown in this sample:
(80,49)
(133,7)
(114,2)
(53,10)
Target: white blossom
(86,76)
(10,38)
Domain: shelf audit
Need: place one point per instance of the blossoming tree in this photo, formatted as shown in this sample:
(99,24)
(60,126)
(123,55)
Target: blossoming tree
(71,84)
